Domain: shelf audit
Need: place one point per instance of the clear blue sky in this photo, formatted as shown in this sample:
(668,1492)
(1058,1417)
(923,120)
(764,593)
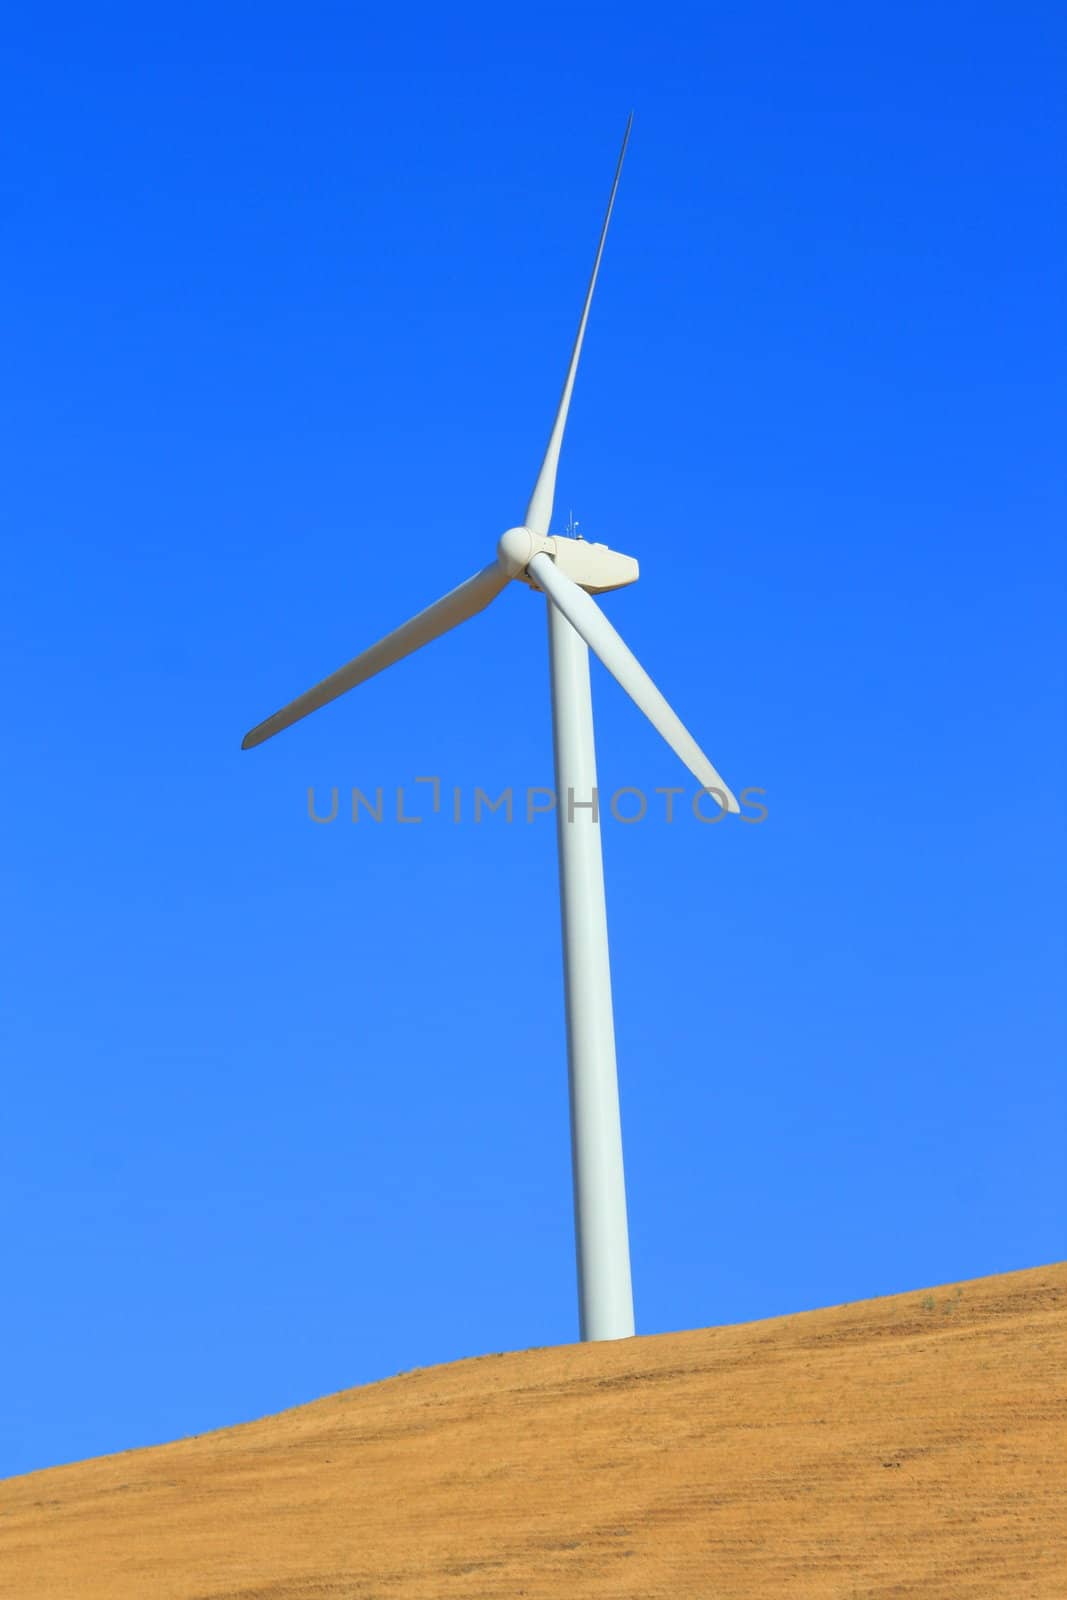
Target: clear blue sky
(287,298)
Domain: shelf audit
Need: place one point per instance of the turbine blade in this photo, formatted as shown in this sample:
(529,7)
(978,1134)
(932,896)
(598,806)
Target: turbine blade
(587,619)
(470,598)
(539,511)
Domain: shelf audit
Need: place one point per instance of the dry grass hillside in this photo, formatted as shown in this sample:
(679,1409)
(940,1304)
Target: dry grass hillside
(908,1446)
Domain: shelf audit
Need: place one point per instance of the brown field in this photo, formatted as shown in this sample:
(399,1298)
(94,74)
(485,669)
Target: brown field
(915,1445)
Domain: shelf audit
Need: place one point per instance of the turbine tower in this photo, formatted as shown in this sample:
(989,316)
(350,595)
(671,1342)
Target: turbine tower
(569,571)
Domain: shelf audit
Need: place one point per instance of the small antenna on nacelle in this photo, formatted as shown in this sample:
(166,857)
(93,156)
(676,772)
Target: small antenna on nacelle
(572,527)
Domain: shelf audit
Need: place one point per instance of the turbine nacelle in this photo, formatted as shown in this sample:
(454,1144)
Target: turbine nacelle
(593,567)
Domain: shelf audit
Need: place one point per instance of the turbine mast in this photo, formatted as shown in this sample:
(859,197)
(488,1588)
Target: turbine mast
(601,1233)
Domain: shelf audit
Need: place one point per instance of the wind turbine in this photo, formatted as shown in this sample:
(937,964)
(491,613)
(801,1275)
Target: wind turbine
(569,571)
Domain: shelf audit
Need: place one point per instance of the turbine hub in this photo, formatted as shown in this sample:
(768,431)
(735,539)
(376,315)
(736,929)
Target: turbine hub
(516,550)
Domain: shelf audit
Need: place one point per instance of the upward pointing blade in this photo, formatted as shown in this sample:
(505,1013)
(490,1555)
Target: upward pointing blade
(539,511)
(470,598)
(587,619)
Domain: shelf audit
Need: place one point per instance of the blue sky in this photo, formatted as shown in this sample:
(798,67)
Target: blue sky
(287,303)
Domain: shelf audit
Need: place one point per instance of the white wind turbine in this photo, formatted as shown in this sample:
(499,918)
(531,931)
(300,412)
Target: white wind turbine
(569,571)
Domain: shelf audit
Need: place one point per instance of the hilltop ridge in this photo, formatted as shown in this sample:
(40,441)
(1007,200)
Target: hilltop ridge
(909,1445)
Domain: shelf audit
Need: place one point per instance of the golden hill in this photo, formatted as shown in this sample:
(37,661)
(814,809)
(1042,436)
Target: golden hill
(915,1445)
